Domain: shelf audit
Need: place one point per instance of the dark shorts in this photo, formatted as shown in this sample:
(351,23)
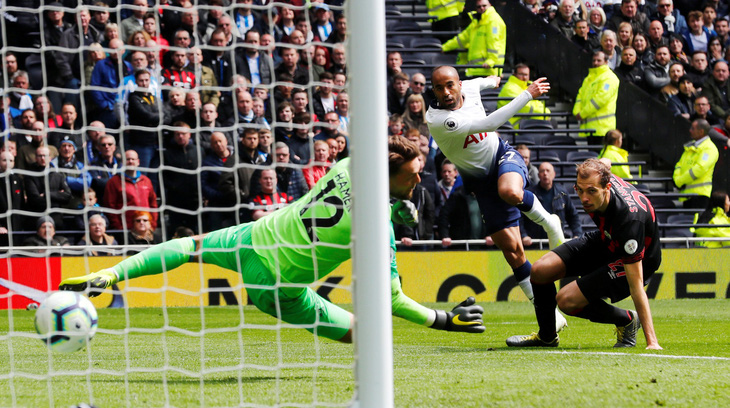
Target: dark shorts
(600,273)
(496,213)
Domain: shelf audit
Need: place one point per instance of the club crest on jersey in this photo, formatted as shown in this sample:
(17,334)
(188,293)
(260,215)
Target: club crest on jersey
(451,124)
(631,246)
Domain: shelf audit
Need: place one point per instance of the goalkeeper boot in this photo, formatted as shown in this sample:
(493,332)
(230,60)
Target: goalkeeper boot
(532,340)
(554,231)
(626,335)
(96,282)
(560,322)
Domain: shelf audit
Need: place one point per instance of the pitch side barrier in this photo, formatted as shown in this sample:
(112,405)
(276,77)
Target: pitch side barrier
(427,276)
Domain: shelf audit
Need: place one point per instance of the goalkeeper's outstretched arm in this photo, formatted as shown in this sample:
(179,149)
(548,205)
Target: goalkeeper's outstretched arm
(465,317)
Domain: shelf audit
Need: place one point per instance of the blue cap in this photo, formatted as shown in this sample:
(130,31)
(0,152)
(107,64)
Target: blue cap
(69,141)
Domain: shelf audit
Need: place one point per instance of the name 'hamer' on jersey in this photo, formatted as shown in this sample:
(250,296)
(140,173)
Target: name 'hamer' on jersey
(466,135)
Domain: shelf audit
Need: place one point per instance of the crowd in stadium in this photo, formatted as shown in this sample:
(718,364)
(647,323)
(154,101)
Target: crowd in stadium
(193,95)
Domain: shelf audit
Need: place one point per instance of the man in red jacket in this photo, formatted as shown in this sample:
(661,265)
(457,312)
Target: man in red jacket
(131,190)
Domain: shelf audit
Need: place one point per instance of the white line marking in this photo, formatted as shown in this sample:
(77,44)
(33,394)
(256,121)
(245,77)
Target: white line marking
(605,353)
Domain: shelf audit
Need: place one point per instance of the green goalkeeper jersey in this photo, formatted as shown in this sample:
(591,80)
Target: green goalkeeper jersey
(308,239)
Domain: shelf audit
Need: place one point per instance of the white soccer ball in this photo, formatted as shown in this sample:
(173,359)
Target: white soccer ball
(66,321)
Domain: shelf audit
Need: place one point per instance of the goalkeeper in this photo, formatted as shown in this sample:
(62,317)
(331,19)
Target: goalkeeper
(282,253)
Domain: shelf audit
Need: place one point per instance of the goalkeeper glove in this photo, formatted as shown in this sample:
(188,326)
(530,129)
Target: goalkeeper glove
(405,213)
(97,282)
(465,317)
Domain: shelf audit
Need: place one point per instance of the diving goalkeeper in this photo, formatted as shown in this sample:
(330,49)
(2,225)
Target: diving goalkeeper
(280,254)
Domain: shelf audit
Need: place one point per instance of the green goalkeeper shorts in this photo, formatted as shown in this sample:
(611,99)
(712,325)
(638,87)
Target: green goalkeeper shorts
(232,248)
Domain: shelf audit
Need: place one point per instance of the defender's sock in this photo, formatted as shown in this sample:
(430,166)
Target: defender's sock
(533,209)
(545,304)
(599,311)
(157,259)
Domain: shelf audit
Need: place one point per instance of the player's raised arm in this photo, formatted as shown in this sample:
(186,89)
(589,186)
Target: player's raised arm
(497,118)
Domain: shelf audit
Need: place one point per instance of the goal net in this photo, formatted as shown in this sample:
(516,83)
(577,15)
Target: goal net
(128,123)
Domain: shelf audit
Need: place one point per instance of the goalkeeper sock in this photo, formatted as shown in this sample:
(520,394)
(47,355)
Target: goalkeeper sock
(533,209)
(522,275)
(157,259)
(545,304)
(599,311)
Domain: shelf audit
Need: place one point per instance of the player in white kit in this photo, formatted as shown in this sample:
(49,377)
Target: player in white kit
(490,168)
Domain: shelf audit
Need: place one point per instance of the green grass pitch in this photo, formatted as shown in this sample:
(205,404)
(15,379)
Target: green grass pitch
(247,360)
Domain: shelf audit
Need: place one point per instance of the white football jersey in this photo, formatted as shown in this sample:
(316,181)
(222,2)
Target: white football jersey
(466,135)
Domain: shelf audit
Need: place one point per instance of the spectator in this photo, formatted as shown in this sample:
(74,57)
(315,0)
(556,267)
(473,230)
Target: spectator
(677,49)
(722,28)
(609,46)
(142,230)
(290,179)
(625,35)
(716,89)
(283,126)
(100,16)
(395,125)
(614,154)
(265,143)
(160,44)
(460,218)
(694,170)
(343,111)
(134,22)
(45,235)
(532,172)
(566,19)
(339,35)
(191,113)
(210,178)
(97,235)
(415,114)
(257,66)
(208,124)
(90,149)
(269,199)
(222,61)
(71,62)
(515,85)
(339,60)
(27,154)
(77,178)
(323,26)
(317,168)
(485,40)
(398,94)
(300,142)
(644,56)
(697,36)
(672,20)
(286,20)
(595,105)
(300,102)
(449,174)
(344,144)
(597,20)
(46,189)
(656,75)
(290,65)
(720,134)
(394,61)
(676,71)
(20,100)
(418,87)
(68,129)
(245,18)
(630,70)
(178,75)
(302,24)
(715,50)
(444,16)
(702,110)
(88,206)
(698,71)
(53,28)
(205,77)
(657,37)
(682,104)
(244,103)
(96,54)
(584,38)
(12,197)
(556,200)
(715,213)
(106,75)
(323,100)
(630,13)
(44,111)
(174,106)
(423,230)
(127,192)
(27,121)
(306,61)
(144,112)
(178,184)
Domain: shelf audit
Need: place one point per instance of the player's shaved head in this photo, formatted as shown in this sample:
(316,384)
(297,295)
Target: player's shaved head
(447,87)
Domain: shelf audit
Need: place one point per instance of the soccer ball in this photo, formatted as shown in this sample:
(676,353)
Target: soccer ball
(66,321)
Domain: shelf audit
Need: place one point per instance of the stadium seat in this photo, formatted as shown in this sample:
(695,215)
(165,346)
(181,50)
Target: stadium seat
(535,124)
(643,188)
(413,60)
(391,10)
(556,140)
(580,156)
(677,233)
(444,59)
(393,43)
(680,219)
(426,42)
(403,39)
(524,139)
(489,106)
(547,156)
(405,26)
